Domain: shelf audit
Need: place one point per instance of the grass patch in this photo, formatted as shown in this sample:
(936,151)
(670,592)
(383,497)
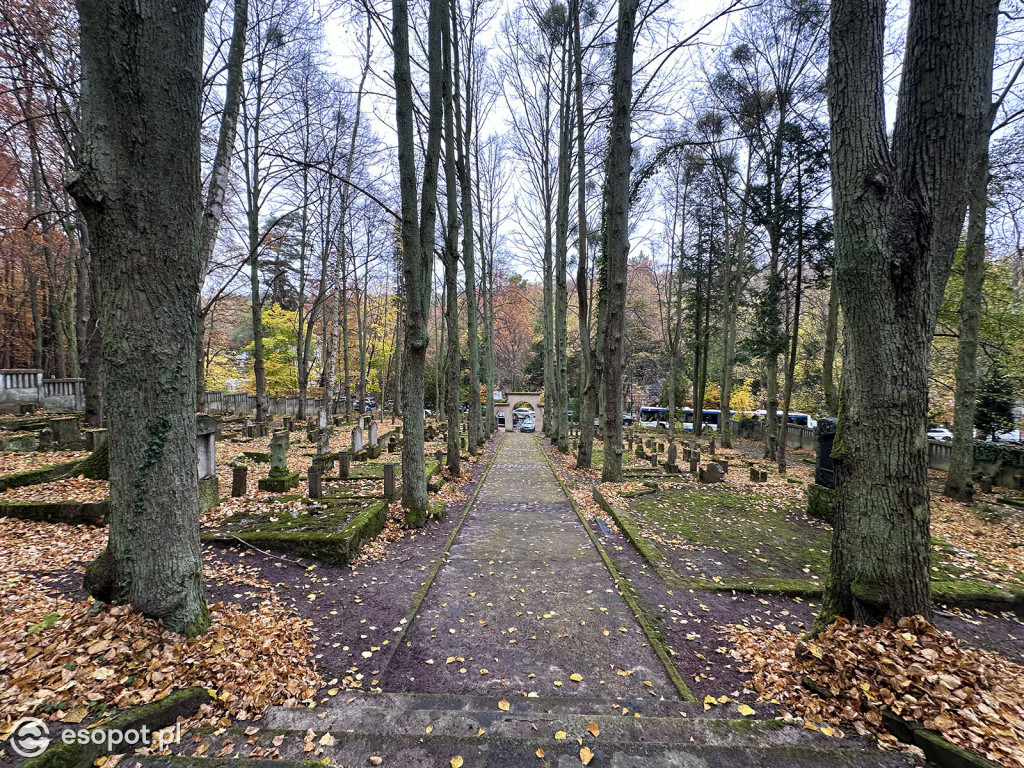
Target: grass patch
(763,536)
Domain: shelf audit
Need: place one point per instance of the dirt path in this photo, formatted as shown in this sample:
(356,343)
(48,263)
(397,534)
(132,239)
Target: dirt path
(525,603)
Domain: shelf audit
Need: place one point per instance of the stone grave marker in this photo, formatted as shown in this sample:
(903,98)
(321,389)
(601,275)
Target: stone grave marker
(239,479)
(206,460)
(280,479)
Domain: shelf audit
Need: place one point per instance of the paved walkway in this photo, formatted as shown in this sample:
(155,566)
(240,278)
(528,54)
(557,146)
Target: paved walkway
(525,603)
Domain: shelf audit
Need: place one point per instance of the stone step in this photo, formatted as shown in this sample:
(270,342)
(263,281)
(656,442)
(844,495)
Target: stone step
(491,751)
(531,726)
(648,706)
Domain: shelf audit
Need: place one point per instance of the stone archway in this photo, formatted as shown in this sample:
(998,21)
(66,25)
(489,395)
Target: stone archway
(533,399)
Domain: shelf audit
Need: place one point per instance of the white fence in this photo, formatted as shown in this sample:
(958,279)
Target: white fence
(28,387)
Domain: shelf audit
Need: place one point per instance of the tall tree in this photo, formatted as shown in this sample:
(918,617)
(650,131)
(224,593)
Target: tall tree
(138,186)
(417,239)
(899,208)
(216,192)
(616,243)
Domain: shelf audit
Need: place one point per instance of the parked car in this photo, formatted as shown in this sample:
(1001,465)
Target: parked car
(529,425)
(940,433)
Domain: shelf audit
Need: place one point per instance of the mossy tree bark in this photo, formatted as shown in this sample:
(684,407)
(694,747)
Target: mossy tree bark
(417,240)
(138,186)
(899,209)
(616,246)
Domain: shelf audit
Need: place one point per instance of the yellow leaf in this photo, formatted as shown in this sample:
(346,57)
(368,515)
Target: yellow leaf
(586,755)
(560,735)
(430,729)
(576,677)
(376,760)
(456,761)
(594,730)
(745,710)
(540,753)
(503,705)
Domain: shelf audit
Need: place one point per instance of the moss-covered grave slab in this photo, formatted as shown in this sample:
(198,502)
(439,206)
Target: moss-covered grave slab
(332,533)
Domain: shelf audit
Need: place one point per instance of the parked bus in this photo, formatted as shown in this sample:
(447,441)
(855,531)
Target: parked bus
(795,417)
(654,417)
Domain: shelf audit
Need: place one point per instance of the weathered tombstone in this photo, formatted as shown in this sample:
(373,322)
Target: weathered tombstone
(711,444)
(45,438)
(389,480)
(654,459)
(279,479)
(344,465)
(288,425)
(985,484)
(823,467)
(206,459)
(373,434)
(313,481)
(66,430)
(323,441)
(94,438)
(711,473)
(239,479)
(694,462)
(672,455)
(321,419)
(357,439)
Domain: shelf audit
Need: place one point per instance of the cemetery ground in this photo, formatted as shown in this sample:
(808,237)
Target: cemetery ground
(656,617)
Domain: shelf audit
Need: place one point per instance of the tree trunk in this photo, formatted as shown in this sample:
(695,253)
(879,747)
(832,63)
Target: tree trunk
(463,138)
(453,356)
(213,209)
(417,241)
(616,223)
(565,122)
(899,209)
(828,379)
(138,186)
(961,466)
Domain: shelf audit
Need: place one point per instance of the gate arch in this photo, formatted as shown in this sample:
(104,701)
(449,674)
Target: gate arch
(533,399)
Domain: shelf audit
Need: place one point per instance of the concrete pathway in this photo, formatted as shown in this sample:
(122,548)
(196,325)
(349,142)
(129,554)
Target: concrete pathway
(525,603)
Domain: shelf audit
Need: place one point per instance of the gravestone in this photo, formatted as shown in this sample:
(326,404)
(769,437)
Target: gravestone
(280,479)
(711,445)
(373,434)
(823,467)
(821,493)
(323,441)
(344,465)
(672,455)
(389,480)
(313,481)
(288,424)
(694,462)
(66,430)
(94,438)
(206,459)
(357,439)
(758,475)
(711,473)
(239,478)
(654,459)
(724,464)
